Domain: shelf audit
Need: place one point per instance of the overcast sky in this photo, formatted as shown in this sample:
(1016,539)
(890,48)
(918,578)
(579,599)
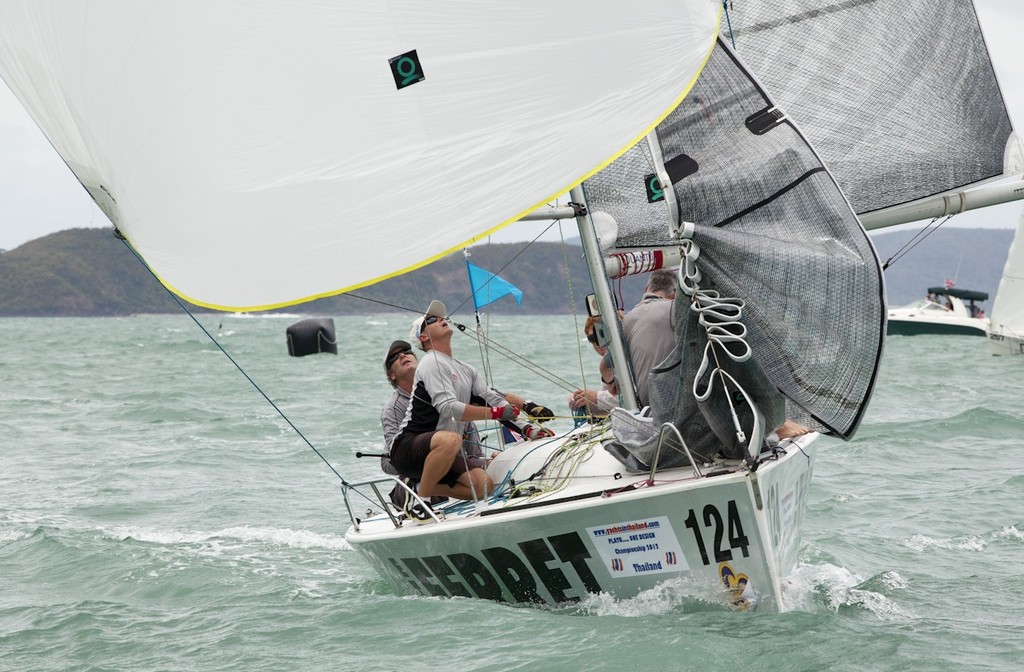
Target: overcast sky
(39,195)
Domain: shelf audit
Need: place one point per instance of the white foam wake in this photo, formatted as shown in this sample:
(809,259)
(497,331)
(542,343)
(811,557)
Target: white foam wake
(303,539)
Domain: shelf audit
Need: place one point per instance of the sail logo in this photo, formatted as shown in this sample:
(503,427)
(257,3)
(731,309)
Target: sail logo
(654,191)
(406,69)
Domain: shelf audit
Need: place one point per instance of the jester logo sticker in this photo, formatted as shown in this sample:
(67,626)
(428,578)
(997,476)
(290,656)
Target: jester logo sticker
(406,69)
(741,593)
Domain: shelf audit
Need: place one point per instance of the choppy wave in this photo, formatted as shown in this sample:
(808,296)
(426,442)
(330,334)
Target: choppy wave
(299,539)
(13,535)
(156,513)
(679,595)
(813,586)
(968,542)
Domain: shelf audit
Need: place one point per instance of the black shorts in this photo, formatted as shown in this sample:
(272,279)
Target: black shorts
(409,453)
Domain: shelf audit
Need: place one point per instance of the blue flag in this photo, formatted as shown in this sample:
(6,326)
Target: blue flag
(487,287)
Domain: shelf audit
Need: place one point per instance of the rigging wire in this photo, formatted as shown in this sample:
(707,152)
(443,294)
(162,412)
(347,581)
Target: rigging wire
(489,342)
(507,263)
(914,242)
(728,21)
(572,306)
(231,359)
(510,354)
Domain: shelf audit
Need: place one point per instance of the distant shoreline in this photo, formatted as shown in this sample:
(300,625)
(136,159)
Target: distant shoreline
(86,272)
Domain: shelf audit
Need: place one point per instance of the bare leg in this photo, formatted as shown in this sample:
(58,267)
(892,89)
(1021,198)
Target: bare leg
(444,446)
(481,483)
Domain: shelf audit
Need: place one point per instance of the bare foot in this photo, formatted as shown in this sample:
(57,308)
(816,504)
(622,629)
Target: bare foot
(789,429)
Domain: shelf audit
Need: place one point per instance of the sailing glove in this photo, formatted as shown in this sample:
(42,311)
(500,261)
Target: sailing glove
(504,413)
(532,432)
(538,412)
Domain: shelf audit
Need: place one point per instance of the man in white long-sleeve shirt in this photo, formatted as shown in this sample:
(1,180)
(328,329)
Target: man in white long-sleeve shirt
(428,442)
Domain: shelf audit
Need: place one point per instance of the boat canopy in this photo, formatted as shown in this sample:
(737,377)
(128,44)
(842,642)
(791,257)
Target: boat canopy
(963,294)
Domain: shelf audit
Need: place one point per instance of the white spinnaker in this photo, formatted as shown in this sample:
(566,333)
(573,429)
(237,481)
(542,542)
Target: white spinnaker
(1007,316)
(261,154)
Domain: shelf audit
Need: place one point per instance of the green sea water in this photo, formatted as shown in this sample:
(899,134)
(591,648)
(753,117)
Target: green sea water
(156,513)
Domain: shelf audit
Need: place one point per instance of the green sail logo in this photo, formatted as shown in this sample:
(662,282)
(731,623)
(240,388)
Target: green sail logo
(654,191)
(406,69)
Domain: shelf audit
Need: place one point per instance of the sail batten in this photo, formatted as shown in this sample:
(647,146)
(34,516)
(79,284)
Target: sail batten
(897,111)
(353,141)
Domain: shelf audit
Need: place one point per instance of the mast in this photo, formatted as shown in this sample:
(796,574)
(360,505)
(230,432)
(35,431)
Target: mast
(595,265)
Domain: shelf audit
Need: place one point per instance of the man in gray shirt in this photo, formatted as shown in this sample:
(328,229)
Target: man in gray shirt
(649,332)
(400,368)
(427,445)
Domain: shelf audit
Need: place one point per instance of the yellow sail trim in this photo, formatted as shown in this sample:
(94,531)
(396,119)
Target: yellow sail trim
(245,309)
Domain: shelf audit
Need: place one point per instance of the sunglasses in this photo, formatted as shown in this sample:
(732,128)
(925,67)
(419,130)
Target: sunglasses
(592,337)
(394,357)
(430,319)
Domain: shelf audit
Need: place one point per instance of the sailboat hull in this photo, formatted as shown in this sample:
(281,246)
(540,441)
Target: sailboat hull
(730,538)
(1003,344)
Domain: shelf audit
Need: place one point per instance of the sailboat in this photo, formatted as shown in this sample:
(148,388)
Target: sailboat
(1006,324)
(684,491)
(297,154)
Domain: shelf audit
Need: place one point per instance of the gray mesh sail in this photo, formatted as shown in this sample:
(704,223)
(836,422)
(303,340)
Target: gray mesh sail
(776,232)
(899,98)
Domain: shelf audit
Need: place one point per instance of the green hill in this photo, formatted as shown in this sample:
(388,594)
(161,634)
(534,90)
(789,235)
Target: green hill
(88,272)
(80,272)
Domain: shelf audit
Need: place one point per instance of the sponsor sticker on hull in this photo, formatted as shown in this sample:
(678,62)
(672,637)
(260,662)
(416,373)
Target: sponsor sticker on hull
(638,547)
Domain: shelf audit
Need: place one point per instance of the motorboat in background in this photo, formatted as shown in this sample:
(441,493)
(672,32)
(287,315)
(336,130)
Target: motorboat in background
(942,311)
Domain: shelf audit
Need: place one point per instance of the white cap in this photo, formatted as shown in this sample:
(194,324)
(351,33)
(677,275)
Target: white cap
(435,308)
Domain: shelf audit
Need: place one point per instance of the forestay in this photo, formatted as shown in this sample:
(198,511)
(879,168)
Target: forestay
(899,98)
(775,232)
(259,155)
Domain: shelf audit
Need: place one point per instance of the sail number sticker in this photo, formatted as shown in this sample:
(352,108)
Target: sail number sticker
(638,547)
(712,535)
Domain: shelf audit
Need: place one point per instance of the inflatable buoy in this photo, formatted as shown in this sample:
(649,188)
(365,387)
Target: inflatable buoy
(312,336)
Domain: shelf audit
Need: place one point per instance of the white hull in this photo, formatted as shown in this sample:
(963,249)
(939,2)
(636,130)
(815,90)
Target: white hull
(1006,333)
(929,317)
(1005,344)
(733,536)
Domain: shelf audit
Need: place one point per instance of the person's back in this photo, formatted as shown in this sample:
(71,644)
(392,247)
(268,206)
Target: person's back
(648,328)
